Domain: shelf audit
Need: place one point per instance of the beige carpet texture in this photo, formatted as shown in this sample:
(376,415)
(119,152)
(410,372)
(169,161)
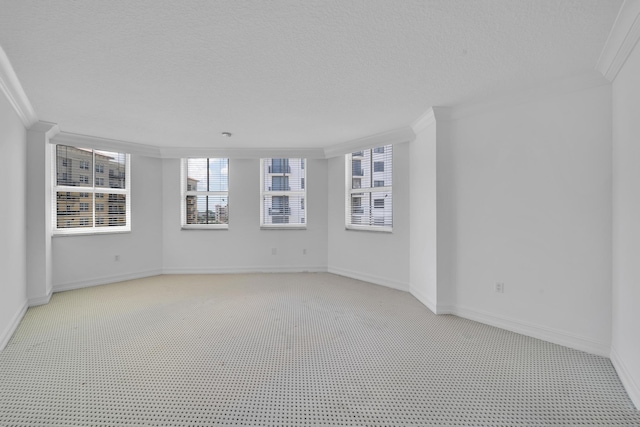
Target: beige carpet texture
(307,349)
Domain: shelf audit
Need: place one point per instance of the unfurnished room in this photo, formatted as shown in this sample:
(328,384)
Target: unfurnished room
(320,213)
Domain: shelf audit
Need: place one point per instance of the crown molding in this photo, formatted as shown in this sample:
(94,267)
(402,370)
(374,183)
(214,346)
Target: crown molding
(15,94)
(423,122)
(623,37)
(48,128)
(396,136)
(430,117)
(85,141)
(548,90)
(241,153)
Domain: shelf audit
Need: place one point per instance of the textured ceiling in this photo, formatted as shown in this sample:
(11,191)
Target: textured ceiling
(305,74)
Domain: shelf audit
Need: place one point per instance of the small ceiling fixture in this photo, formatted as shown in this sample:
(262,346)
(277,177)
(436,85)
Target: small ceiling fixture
(227,134)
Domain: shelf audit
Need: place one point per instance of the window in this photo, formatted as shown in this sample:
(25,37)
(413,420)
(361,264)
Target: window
(75,184)
(100,168)
(205,193)
(280,183)
(369,203)
(282,193)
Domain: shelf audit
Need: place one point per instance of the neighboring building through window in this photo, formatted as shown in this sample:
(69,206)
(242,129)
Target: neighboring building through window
(283,193)
(78,176)
(369,189)
(205,193)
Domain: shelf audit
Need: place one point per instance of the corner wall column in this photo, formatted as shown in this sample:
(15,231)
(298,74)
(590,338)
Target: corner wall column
(39,267)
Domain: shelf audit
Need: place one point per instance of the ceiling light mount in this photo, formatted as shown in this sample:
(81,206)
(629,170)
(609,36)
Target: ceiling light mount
(226,134)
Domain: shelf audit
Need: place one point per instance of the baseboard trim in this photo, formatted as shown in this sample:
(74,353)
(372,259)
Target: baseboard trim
(34,302)
(382,281)
(424,299)
(533,330)
(246,270)
(13,325)
(61,287)
(630,385)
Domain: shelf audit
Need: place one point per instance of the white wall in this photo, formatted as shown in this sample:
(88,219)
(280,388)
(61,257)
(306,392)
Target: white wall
(378,257)
(423,271)
(80,261)
(13,279)
(244,247)
(532,195)
(625,351)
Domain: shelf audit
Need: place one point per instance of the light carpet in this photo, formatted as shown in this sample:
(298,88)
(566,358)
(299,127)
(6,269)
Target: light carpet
(287,350)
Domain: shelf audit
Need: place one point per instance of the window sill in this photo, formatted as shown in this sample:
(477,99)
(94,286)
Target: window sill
(89,233)
(369,228)
(283,227)
(205,227)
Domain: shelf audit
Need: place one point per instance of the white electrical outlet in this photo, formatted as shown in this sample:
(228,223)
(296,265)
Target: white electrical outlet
(500,287)
(116,257)
(304,251)
(274,251)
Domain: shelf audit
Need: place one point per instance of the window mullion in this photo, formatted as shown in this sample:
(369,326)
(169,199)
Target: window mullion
(73,189)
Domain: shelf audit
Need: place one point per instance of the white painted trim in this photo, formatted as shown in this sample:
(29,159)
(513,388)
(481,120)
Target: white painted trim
(376,280)
(533,330)
(36,301)
(242,153)
(13,325)
(15,94)
(86,141)
(430,303)
(423,122)
(623,37)
(105,280)
(49,129)
(246,270)
(544,91)
(430,117)
(632,387)
(395,136)
(424,299)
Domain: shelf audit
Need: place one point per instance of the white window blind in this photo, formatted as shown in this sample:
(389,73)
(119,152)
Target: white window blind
(205,193)
(82,176)
(283,192)
(369,196)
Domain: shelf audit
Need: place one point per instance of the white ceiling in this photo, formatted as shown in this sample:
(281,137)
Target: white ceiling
(285,74)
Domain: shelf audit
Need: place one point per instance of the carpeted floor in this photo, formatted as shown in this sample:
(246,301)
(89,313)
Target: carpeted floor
(287,350)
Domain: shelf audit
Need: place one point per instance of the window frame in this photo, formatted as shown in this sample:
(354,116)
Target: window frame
(91,190)
(349,190)
(185,193)
(302,193)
